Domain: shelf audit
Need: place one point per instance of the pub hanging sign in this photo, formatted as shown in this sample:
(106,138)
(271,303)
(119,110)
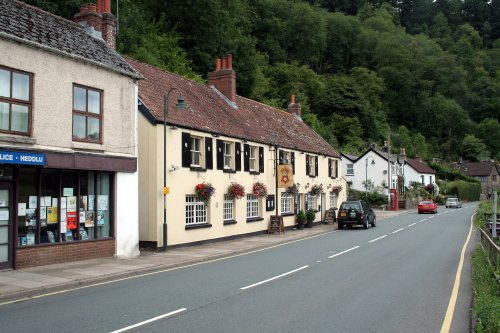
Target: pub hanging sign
(285,175)
(14,157)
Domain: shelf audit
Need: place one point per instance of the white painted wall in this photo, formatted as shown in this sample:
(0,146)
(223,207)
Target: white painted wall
(127,215)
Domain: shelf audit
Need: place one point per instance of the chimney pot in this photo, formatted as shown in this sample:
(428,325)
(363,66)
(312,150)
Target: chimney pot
(100,6)
(224,80)
(107,6)
(230,61)
(292,99)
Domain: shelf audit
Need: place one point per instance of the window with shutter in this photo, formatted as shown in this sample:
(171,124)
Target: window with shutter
(261,159)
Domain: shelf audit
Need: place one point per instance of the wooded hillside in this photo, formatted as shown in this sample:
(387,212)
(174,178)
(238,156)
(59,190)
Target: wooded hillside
(428,71)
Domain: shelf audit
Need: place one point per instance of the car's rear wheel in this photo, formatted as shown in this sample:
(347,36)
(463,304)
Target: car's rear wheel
(374,222)
(365,223)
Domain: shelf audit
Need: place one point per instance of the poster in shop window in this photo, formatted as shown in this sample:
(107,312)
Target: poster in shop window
(63,203)
(21,209)
(54,202)
(91,202)
(102,202)
(89,219)
(71,204)
(33,201)
(51,215)
(71,220)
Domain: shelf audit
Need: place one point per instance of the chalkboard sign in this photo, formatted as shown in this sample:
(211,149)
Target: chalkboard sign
(330,216)
(276,224)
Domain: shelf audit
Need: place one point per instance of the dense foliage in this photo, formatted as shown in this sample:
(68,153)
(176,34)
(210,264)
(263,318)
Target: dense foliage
(425,73)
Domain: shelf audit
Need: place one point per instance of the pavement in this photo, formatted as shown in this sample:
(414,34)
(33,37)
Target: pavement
(31,282)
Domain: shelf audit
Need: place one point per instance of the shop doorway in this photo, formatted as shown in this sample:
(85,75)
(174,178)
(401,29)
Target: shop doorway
(6,225)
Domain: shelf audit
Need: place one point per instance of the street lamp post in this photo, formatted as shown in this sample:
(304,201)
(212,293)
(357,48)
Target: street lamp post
(274,141)
(366,174)
(181,104)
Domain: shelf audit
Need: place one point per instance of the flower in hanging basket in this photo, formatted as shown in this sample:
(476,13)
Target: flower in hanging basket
(336,189)
(259,189)
(316,190)
(293,190)
(236,191)
(204,192)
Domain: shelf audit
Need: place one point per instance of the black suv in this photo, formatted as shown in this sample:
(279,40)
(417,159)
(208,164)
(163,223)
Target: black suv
(356,213)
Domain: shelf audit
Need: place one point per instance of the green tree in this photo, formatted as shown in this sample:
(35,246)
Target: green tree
(474,149)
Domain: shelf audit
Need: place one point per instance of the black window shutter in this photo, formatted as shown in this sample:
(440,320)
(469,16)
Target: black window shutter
(307,165)
(280,154)
(336,169)
(330,167)
(220,155)
(316,166)
(293,162)
(237,156)
(261,159)
(186,150)
(246,157)
(209,156)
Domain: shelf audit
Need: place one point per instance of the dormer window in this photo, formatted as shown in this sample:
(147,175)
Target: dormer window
(15,100)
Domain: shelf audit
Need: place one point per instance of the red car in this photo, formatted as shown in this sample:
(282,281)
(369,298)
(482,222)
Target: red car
(427,206)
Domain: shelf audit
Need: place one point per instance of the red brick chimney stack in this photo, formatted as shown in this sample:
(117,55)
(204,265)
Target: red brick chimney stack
(100,18)
(224,77)
(294,108)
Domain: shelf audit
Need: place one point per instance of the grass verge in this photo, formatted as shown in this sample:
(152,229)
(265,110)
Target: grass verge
(486,306)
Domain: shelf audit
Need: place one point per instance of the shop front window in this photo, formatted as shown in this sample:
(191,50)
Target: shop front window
(49,204)
(103,205)
(27,207)
(69,208)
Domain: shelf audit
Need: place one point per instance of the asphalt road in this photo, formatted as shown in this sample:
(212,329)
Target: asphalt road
(396,277)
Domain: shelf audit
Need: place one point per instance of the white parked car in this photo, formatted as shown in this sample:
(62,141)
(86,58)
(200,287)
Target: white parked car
(453,202)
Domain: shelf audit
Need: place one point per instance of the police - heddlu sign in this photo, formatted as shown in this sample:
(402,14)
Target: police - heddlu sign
(10,157)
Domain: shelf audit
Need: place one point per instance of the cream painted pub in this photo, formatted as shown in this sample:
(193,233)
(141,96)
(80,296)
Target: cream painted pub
(208,170)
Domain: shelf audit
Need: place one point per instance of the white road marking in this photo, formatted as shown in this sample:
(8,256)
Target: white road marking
(421,221)
(398,230)
(274,278)
(376,239)
(411,225)
(454,293)
(338,254)
(149,320)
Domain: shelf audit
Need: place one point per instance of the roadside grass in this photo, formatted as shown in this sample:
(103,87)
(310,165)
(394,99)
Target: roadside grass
(486,305)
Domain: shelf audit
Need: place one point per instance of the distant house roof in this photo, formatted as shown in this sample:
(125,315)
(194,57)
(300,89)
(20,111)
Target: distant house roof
(420,166)
(32,26)
(478,168)
(208,112)
(350,157)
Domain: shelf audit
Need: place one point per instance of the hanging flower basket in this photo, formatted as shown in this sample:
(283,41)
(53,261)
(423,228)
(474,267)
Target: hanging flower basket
(204,192)
(316,190)
(293,190)
(236,191)
(336,189)
(259,189)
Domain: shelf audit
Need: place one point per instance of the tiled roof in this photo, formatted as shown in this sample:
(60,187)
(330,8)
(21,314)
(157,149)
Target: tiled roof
(27,24)
(420,166)
(478,168)
(208,112)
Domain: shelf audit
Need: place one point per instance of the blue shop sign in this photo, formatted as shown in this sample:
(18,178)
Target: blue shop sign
(10,157)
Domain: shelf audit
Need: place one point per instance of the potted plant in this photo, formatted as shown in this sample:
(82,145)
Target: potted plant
(294,189)
(301,219)
(259,189)
(310,216)
(336,189)
(204,192)
(316,190)
(236,191)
